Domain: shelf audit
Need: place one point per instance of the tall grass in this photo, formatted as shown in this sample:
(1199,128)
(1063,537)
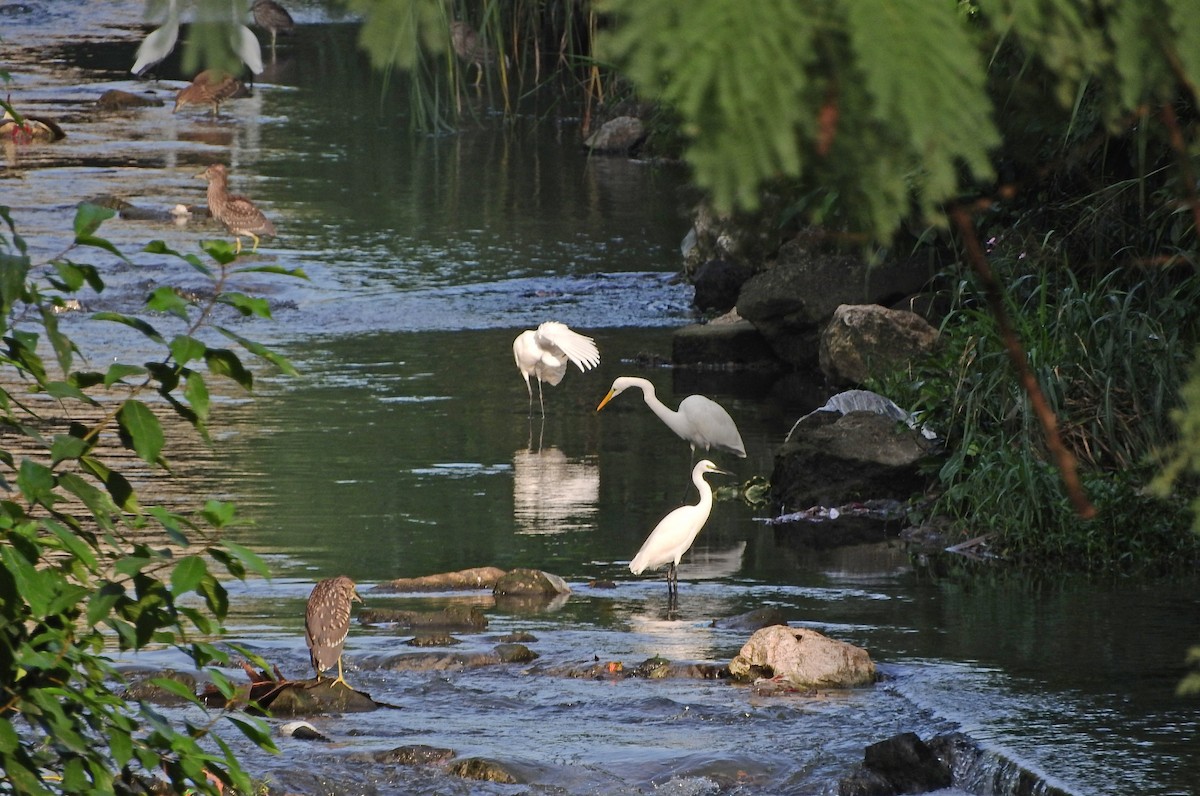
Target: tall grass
(1110,351)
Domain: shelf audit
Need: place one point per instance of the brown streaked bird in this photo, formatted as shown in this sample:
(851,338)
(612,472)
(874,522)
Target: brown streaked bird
(237,213)
(469,47)
(273,17)
(327,621)
(210,87)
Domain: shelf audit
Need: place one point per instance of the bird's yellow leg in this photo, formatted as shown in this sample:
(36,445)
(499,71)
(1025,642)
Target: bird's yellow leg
(237,249)
(340,678)
(253,248)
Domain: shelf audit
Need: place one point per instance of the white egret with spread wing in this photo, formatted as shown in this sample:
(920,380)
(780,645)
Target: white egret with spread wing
(545,352)
(701,421)
(674,534)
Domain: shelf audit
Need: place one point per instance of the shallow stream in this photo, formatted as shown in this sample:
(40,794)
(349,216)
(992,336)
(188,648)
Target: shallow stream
(406,448)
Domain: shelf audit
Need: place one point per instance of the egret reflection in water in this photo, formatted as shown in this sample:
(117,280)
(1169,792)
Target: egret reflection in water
(553,493)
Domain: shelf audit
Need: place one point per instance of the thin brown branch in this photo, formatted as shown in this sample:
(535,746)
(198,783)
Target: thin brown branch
(1063,458)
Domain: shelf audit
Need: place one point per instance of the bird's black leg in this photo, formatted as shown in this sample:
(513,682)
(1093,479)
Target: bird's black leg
(672,580)
(541,401)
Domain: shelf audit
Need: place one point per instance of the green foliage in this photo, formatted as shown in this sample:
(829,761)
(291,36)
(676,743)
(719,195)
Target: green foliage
(81,571)
(1109,354)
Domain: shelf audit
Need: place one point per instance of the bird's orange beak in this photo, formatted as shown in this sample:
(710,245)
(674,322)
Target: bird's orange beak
(607,398)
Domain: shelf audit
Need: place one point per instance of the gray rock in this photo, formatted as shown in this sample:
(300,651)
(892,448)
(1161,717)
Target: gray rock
(866,340)
(718,283)
(619,136)
(794,299)
(722,342)
(525,582)
(804,658)
(831,460)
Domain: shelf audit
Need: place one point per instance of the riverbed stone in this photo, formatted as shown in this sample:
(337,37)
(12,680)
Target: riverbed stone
(718,282)
(452,617)
(619,136)
(830,460)
(474,578)
(866,340)
(117,100)
(312,697)
(530,582)
(413,755)
(726,341)
(482,769)
(794,298)
(752,620)
(804,658)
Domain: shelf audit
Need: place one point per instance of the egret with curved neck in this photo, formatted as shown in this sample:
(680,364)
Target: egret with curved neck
(674,534)
(701,421)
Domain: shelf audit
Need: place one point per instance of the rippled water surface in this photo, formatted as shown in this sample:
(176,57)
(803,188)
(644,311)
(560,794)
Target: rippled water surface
(405,448)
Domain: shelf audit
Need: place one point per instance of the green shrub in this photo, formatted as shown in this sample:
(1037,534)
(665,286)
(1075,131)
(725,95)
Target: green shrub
(87,564)
(1109,353)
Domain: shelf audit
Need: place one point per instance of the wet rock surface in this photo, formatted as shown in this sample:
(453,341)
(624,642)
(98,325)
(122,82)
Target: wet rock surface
(804,658)
(452,617)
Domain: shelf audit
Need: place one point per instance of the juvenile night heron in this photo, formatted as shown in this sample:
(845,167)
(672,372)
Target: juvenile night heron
(237,213)
(210,87)
(469,47)
(272,17)
(545,352)
(674,534)
(701,421)
(326,622)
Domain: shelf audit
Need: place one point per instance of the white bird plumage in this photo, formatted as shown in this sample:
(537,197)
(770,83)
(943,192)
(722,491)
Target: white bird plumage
(158,45)
(674,534)
(701,421)
(545,352)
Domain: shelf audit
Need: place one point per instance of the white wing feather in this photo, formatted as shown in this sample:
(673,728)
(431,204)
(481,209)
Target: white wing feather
(579,349)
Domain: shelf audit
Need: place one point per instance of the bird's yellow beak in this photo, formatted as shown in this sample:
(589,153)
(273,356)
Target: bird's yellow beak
(607,398)
(354,598)
(723,472)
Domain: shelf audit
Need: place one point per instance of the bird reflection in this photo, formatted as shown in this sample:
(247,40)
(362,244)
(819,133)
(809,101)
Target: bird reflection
(552,493)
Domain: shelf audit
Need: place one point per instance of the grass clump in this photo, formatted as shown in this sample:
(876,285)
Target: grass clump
(1110,351)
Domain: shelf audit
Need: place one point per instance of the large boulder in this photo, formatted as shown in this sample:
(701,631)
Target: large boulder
(475,578)
(728,340)
(804,658)
(791,301)
(619,136)
(530,582)
(718,283)
(900,764)
(830,459)
(864,340)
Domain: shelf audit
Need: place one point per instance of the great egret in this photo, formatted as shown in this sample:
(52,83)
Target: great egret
(545,352)
(701,421)
(237,213)
(158,45)
(675,532)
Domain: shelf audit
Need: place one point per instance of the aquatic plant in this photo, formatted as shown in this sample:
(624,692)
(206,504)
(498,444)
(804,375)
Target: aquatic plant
(92,558)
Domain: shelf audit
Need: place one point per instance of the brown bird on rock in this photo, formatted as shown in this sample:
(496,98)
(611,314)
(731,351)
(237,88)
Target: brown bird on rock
(273,17)
(327,621)
(210,87)
(237,213)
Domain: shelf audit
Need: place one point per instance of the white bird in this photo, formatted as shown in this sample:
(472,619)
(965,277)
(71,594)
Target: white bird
(701,421)
(159,43)
(675,532)
(545,352)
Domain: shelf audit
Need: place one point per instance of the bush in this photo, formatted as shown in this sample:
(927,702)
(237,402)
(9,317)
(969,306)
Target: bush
(86,564)
(1110,353)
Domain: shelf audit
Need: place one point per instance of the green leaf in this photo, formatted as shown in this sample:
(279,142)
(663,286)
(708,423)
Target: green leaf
(218,513)
(89,217)
(187,575)
(167,299)
(220,250)
(171,523)
(196,394)
(177,688)
(117,485)
(103,600)
(272,269)
(158,247)
(135,323)
(223,362)
(258,349)
(246,305)
(99,243)
(65,389)
(185,348)
(249,558)
(117,372)
(141,430)
(36,482)
(65,447)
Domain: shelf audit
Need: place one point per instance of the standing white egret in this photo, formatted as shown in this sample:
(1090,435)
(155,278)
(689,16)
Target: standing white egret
(701,421)
(545,352)
(674,534)
(158,45)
